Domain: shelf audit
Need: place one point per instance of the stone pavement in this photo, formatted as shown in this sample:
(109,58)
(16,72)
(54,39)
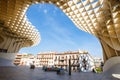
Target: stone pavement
(24,73)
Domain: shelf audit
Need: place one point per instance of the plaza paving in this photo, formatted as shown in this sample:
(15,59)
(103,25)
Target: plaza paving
(24,73)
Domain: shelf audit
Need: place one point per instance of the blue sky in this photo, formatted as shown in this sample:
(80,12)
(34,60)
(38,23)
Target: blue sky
(58,33)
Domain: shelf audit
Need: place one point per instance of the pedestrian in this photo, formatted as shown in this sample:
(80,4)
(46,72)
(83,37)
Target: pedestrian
(32,66)
(101,65)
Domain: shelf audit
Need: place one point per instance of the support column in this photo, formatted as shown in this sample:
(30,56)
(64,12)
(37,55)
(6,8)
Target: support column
(69,66)
(18,47)
(3,43)
(111,62)
(7,43)
(108,51)
(11,46)
(6,59)
(14,46)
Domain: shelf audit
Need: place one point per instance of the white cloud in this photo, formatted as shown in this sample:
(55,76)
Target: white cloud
(45,11)
(42,7)
(57,27)
(58,32)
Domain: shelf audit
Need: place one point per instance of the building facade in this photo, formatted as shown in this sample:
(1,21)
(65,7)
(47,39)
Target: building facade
(62,60)
(46,58)
(79,60)
(17,60)
(26,60)
(98,62)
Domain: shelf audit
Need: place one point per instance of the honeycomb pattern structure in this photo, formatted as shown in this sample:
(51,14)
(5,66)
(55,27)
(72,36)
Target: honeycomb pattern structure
(98,17)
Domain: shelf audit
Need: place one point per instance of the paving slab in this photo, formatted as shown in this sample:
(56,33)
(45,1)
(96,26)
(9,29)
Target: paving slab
(25,73)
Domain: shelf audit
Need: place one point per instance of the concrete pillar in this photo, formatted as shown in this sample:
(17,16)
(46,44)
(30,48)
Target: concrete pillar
(111,62)
(3,43)
(11,46)
(108,51)
(6,59)
(14,47)
(7,43)
(18,47)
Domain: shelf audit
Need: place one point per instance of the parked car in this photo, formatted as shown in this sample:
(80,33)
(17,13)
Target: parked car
(50,68)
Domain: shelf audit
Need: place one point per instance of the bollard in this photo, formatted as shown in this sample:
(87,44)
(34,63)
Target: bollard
(69,66)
